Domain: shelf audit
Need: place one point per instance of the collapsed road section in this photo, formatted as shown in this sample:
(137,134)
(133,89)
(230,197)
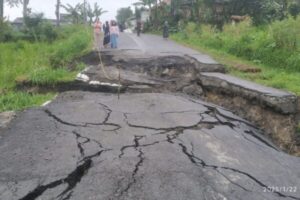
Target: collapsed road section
(143,133)
(276,112)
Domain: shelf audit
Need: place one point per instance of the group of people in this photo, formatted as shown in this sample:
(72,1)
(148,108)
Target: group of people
(110,31)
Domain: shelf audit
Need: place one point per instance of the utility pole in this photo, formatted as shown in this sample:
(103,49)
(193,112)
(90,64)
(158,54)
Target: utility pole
(1,10)
(84,12)
(57,13)
(25,8)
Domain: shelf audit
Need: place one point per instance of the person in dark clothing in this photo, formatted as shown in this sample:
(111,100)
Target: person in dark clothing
(166,30)
(106,30)
(138,27)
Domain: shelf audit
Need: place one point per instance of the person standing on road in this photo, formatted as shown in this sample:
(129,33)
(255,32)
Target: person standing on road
(166,30)
(106,30)
(97,33)
(138,27)
(114,34)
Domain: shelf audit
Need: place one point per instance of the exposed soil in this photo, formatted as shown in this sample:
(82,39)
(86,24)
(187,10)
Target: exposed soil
(177,74)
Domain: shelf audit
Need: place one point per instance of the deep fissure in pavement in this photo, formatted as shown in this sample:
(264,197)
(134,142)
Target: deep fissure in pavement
(168,80)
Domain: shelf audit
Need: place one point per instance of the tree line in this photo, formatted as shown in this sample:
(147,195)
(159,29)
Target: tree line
(79,13)
(214,12)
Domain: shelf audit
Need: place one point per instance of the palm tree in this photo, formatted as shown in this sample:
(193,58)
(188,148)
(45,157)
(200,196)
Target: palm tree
(90,14)
(98,11)
(74,12)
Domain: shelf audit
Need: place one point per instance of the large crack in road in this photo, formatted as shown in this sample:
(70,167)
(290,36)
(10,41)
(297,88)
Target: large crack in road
(88,145)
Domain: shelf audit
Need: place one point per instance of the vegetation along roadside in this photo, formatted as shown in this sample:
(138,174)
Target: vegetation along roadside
(38,61)
(268,54)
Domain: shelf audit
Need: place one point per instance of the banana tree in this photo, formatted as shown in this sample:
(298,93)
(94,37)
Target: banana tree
(98,11)
(90,14)
(74,12)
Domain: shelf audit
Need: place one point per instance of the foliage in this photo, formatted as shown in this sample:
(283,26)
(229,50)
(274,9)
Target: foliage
(123,14)
(98,11)
(22,100)
(31,61)
(6,31)
(276,47)
(38,29)
(74,46)
(74,12)
(77,12)
(294,9)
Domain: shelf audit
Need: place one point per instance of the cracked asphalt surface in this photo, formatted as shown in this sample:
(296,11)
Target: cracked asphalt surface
(143,146)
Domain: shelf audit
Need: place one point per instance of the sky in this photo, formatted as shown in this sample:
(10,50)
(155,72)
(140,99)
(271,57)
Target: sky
(48,7)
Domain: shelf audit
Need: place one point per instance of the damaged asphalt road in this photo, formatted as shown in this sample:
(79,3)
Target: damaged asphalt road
(144,146)
(150,144)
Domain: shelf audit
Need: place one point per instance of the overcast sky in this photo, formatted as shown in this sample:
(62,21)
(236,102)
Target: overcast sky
(48,7)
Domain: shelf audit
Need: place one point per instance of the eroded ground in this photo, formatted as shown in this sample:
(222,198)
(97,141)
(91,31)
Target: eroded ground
(155,140)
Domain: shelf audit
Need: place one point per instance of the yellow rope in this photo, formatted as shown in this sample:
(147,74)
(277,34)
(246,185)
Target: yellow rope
(106,74)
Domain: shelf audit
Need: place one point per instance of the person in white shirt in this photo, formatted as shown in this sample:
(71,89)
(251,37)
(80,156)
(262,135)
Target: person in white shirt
(114,34)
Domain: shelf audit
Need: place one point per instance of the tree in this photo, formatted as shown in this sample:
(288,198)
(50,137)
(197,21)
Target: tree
(25,7)
(98,11)
(90,14)
(1,10)
(144,3)
(74,12)
(294,9)
(57,13)
(11,3)
(123,14)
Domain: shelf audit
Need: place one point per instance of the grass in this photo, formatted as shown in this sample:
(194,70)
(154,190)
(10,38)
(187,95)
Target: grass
(40,63)
(275,63)
(21,100)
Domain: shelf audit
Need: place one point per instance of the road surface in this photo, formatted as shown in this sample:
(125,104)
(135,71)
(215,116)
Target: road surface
(143,146)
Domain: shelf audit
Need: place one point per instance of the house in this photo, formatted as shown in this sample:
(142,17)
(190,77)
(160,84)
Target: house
(64,20)
(145,15)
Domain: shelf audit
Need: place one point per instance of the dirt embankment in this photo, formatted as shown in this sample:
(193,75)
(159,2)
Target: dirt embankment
(276,112)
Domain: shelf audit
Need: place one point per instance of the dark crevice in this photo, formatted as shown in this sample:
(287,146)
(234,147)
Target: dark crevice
(134,173)
(198,161)
(261,139)
(136,145)
(232,182)
(161,129)
(71,180)
(95,155)
(50,114)
(79,144)
(109,111)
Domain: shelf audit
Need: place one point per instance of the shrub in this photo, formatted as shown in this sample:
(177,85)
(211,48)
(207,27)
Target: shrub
(286,34)
(71,48)
(294,9)
(6,31)
(37,29)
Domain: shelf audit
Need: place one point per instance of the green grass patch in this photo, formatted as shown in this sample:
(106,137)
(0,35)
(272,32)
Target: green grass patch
(22,100)
(274,51)
(40,63)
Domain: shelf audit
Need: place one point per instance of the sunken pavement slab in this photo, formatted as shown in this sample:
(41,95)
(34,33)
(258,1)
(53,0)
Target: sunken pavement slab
(279,100)
(86,146)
